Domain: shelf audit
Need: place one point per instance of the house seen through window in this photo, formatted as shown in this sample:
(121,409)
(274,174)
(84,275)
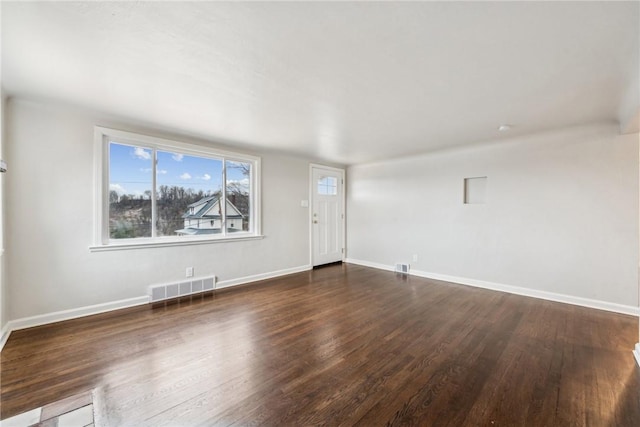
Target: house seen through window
(155,192)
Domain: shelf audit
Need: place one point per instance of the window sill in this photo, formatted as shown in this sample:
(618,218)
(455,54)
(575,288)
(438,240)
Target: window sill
(168,243)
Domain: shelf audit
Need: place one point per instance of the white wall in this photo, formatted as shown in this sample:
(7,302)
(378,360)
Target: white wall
(4,318)
(50,220)
(561,217)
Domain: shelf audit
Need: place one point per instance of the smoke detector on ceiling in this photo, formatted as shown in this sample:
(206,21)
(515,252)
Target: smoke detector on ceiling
(504,128)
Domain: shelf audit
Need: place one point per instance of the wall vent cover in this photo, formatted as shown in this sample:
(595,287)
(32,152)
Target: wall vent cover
(402,268)
(180,289)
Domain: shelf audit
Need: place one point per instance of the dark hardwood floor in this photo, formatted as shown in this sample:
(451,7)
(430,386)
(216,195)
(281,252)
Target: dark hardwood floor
(340,345)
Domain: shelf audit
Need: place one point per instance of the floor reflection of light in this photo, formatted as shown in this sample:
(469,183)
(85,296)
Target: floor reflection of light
(211,370)
(627,394)
(326,344)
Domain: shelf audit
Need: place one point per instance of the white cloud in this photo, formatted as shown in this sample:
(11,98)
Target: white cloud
(206,177)
(141,153)
(177,157)
(118,189)
(185,176)
(159,171)
(243,182)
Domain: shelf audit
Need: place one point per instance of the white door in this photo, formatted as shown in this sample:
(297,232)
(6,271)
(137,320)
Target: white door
(327,214)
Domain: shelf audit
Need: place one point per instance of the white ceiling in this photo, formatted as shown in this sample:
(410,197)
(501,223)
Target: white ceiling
(343,82)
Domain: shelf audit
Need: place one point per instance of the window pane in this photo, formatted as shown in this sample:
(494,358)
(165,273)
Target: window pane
(130,186)
(328,186)
(188,189)
(332,185)
(322,185)
(238,198)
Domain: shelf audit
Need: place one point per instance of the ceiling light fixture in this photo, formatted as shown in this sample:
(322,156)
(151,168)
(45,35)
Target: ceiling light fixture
(504,128)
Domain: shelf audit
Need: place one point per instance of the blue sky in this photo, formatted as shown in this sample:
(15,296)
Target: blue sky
(130,170)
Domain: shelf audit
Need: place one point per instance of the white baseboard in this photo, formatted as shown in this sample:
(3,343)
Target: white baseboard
(74,313)
(263,276)
(43,319)
(636,353)
(4,335)
(371,264)
(551,296)
(58,316)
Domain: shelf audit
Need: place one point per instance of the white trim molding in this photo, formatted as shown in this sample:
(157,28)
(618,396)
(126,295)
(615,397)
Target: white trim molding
(343,213)
(159,243)
(370,264)
(43,319)
(636,353)
(4,335)
(257,277)
(104,137)
(516,290)
(74,313)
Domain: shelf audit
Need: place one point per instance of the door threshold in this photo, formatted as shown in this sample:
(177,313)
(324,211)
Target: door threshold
(315,267)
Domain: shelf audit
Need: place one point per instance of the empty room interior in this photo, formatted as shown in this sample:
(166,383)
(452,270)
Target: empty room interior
(319,213)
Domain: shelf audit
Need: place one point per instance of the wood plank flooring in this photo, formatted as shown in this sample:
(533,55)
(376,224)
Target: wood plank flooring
(342,345)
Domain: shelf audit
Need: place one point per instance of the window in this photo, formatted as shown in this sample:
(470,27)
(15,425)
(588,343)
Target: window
(153,192)
(328,186)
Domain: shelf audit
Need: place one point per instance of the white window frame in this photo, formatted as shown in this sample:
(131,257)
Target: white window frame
(103,136)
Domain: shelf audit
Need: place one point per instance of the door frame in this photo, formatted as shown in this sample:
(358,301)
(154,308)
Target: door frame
(342,173)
